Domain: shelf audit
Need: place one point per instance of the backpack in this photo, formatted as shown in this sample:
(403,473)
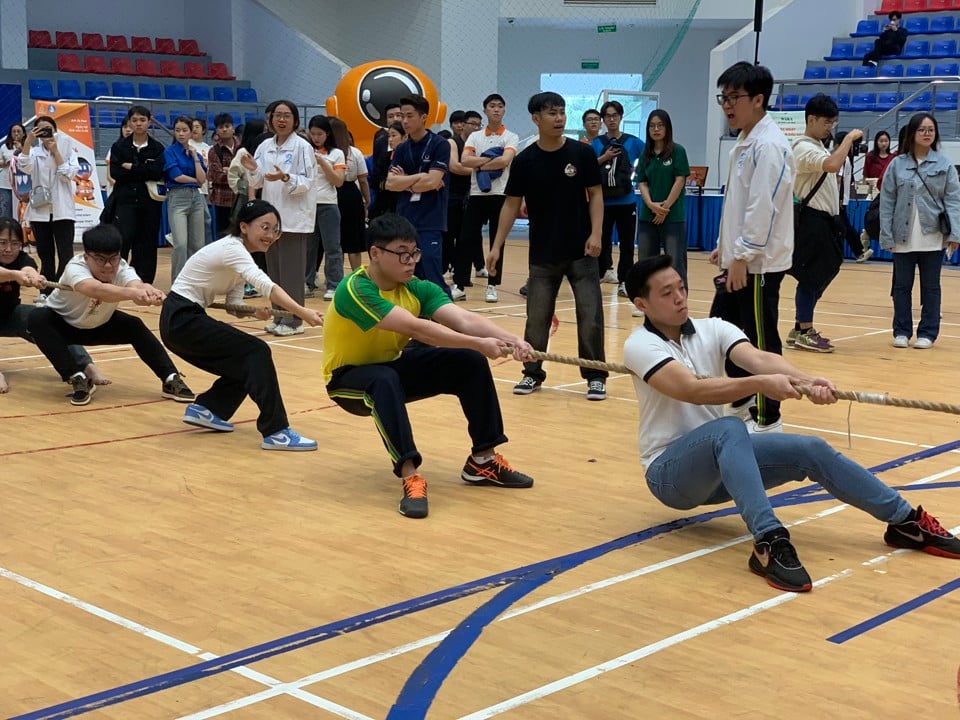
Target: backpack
(871,220)
(616,175)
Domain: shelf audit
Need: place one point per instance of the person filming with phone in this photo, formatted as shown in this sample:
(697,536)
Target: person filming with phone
(890,42)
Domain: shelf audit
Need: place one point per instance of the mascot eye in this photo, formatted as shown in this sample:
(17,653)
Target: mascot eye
(383,86)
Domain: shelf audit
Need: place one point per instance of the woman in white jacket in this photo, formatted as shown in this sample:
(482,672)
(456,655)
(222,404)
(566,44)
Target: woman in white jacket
(51,161)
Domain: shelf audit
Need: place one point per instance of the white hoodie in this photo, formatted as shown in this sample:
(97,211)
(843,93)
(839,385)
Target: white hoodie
(757,220)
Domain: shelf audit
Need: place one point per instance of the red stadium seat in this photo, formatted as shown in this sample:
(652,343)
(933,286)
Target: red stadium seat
(888,6)
(95,64)
(914,5)
(171,68)
(140,44)
(218,71)
(117,43)
(92,41)
(940,5)
(40,39)
(190,47)
(67,41)
(193,69)
(165,46)
(147,67)
(122,66)
(68,62)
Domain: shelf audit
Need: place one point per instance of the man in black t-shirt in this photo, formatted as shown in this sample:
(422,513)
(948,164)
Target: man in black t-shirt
(16,269)
(560,180)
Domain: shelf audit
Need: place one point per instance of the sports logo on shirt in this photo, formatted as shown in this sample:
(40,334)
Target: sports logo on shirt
(570,171)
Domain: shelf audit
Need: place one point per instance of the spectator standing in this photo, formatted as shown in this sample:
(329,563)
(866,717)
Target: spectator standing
(331,170)
(219,159)
(125,131)
(8,149)
(185,172)
(199,143)
(591,126)
(458,188)
(353,196)
(385,201)
(876,161)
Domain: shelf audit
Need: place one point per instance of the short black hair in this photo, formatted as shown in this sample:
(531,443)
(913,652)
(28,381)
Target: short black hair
(611,104)
(637,281)
(472,114)
(250,211)
(821,105)
(545,101)
(589,112)
(12,226)
(445,134)
(895,15)
(457,116)
(202,121)
(491,97)
(185,119)
(293,111)
(139,110)
(388,227)
(45,118)
(102,238)
(222,119)
(390,106)
(754,79)
(417,102)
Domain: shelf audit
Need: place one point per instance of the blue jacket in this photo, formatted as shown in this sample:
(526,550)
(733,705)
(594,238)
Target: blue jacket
(485,178)
(902,187)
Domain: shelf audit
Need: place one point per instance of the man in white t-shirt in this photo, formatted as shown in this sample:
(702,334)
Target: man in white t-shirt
(694,455)
(88,315)
(488,153)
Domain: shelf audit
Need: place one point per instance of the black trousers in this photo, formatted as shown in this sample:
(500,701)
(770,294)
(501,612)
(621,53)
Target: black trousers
(451,237)
(481,209)
(624,218)
(54,246)
(54,335)
(139,225)
(222,215)
(243,362)
(383,390)
(755,310)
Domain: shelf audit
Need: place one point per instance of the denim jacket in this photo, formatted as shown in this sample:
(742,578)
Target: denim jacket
(902,187)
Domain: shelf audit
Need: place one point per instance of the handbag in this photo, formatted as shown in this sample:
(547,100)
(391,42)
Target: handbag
(799,207)
(943,220)
(156,189)
(40,197)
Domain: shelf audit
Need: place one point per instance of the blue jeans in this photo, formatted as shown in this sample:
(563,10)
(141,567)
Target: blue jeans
(719,461)
(186,209)
(673,238)
(542,288)
(6,202)
(929,263)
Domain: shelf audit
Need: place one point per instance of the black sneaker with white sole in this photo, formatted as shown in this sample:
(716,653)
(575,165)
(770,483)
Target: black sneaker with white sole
(176,389)
(527,385)
(83,389)
(596,390)
(775,559)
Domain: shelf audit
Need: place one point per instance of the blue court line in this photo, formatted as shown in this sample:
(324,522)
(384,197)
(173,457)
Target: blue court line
(305,638)
(894,613)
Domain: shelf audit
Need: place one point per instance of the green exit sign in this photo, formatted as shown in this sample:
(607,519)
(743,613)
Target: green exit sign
(589,64)
(606,28)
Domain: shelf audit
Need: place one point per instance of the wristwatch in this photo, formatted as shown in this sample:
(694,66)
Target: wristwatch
(285,178)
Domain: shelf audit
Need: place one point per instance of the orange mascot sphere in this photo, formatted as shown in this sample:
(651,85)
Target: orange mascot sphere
(363,93)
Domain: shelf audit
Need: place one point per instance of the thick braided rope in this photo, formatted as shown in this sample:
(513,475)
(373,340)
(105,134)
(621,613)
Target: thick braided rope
(250,310)
(56,285)
(861,397)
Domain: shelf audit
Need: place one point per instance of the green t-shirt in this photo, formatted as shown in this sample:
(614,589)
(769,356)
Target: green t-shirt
(659,176)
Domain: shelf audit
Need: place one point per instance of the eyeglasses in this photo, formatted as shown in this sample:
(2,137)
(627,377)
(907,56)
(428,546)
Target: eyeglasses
(474,123)
(11,243)
(404,256)
(611,116)
(592,119)
(273,231)
(731,99)
(829,122)
(103,260)
(656,126)
(926,130)
(283,116)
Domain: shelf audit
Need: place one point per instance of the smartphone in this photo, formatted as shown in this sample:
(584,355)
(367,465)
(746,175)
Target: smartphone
(45,132)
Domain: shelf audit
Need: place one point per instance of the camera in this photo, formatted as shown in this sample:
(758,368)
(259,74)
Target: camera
(45,132)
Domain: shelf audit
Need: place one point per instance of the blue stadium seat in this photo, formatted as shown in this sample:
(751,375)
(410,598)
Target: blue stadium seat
(943,48)
(866,28)
(863,102)
(815,73)
(920,102)
(107,117)
(891,70)
(237,120)
(247,117)
(841,51)
(69,89)
(840,72)
(843,101)
(804,99)
(789,102)
(174,91)
(150,91)
(941,24)
(122,88)
(865,71)
(946,101)
(160,117)
(918,70)
(95,88)
(950,68)
(246,95)
(200,93)
(917,25)
(862,48)
(223,93)
(174,114)
(886,100)
(916,49)
(41,90)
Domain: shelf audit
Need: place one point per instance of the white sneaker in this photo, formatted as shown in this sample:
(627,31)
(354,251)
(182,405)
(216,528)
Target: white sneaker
(457,294)
(482,272)
(753,428)
(271,327)
(285,330)
(922,343)
(610,278)
(622,290)
(328,295)
(491,296)
(742,412)
(866,255)
(40,300)
(901,341)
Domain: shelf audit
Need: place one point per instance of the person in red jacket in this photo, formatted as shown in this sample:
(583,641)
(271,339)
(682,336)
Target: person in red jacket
(876,161)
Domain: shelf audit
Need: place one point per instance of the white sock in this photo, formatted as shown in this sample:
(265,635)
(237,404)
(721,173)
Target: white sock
(482,459)
(170,377)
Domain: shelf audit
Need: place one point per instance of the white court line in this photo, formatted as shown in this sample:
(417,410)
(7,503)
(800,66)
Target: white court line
(577,592)
(173,642)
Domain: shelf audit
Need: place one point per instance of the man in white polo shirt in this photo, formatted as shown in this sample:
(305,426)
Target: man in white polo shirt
(489,153)
(693,455)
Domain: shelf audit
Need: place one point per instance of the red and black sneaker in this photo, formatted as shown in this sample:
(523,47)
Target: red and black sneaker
(496,471)
(924,532)
(775,559)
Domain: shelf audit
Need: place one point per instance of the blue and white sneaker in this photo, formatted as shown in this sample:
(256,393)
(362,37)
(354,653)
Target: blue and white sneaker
(288,439)
(201,417)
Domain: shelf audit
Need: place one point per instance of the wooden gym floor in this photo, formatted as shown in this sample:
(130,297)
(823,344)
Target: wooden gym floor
(152,571)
